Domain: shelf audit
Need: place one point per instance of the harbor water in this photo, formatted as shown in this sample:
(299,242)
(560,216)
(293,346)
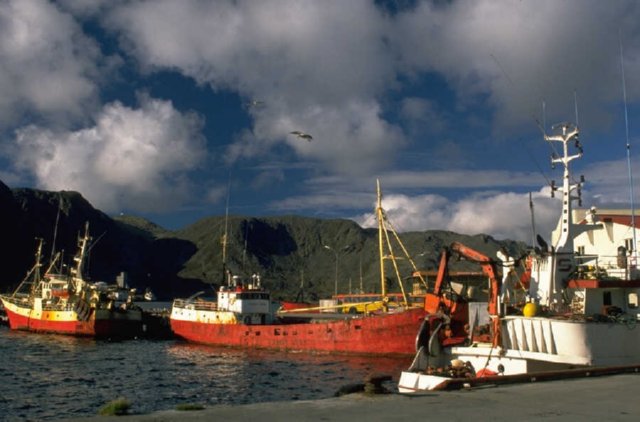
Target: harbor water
(51,377)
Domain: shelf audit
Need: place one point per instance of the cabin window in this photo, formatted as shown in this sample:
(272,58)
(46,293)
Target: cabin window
(632,300)
(606,298)
(628,244)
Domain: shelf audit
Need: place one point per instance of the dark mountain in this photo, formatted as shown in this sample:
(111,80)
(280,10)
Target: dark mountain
(289,252)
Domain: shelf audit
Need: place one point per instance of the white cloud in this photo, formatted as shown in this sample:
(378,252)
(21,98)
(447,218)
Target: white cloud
(610,179)
(520,53)
(318,67)
(48,67)
(136,159)
(502,215)
(342,71)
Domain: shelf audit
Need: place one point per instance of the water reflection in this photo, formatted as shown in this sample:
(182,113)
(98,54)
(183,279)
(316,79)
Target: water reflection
(53,377)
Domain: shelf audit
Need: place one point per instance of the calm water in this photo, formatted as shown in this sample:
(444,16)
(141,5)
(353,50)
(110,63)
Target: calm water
(49,377)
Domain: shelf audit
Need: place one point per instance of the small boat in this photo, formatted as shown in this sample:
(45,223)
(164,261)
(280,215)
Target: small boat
(573,308)
(244,315)
(69,304)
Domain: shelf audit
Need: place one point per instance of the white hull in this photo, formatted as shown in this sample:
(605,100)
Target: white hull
(540,343)
(578,310)
(413,382)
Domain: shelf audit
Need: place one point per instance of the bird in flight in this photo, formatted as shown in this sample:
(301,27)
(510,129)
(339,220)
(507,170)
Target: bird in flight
(302,135)
(255,103)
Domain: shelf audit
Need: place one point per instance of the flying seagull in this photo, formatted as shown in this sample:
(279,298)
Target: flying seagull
(302,135)
(255,103)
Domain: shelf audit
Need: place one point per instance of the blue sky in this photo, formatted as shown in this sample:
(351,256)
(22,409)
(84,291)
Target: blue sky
(147,107)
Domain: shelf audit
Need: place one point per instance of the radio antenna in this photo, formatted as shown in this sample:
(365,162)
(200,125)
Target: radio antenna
(628,146)
(575,101)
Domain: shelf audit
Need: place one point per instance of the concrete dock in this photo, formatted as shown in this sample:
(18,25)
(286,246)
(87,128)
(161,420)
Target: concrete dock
(602,398)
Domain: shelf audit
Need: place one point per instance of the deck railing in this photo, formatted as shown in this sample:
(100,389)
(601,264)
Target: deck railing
(197,304)
(608,266)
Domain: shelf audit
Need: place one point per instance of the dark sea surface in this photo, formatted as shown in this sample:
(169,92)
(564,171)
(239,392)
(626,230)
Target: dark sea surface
(50,377)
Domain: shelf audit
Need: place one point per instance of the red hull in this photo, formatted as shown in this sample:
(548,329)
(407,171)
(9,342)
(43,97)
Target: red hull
(116,325)
(389,334)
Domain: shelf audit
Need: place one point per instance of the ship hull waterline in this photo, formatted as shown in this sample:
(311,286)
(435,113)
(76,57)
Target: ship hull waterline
(99,324)
(376,335)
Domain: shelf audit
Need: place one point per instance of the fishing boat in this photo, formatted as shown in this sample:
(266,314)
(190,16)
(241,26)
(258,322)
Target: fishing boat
(244,315)
(573,308)
(69,304)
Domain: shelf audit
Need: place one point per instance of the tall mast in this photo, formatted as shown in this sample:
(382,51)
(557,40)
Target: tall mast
(566,132)
(55,230)
(533,222)
(224,236)
(77,275)
(626,124)
(380,217)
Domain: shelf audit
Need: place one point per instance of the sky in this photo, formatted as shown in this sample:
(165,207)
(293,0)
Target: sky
(176,110)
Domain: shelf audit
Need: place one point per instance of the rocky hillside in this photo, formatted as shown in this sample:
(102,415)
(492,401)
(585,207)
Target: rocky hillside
(289,252)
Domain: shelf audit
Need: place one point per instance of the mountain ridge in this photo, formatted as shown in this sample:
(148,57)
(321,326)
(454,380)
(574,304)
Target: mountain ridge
(289,252)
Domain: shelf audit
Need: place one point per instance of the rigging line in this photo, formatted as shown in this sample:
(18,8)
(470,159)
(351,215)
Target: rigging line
(533,221)
(244,250)
(535,161)
(575,102)
(501,68)
(540,126)
(55,230)
(506,75)
(226,227)
(628,146)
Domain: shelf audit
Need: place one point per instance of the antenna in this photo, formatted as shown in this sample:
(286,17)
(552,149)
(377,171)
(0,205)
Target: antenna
(244,250)
(575,101)
(533,222)
(226,228)
(55,230)
(626,124)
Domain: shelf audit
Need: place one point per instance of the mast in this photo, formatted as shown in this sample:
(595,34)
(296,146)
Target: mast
(383,238)
(33,275)
(55,230)
(224,236)
(76,273)
(533,222)
(380,217)
(628,146)
(224,240)
(555,267)
(567,132)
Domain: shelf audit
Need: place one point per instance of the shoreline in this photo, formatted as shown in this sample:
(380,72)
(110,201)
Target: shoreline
(608,397)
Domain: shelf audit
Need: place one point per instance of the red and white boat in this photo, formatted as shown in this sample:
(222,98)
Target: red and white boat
(574,308)
(243,315)
(68,304)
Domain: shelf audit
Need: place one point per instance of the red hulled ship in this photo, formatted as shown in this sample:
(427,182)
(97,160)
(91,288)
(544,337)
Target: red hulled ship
(68,304)
(245,316)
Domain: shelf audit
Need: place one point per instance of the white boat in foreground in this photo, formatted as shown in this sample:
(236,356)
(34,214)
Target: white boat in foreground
(574,308)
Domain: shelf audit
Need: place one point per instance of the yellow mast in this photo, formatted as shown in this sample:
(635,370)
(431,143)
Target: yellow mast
(383,237)
(379,216)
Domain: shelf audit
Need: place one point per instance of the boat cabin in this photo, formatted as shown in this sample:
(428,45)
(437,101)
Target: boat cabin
(609,250)
(246,298)
(597,276)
